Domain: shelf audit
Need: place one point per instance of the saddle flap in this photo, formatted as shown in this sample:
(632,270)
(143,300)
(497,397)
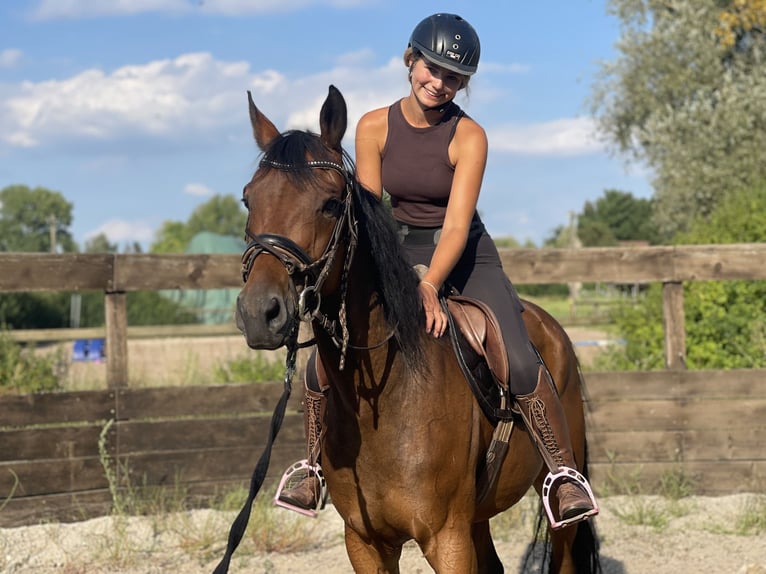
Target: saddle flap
(481,330)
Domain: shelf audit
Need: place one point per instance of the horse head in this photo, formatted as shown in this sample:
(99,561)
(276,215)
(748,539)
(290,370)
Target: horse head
(299,212)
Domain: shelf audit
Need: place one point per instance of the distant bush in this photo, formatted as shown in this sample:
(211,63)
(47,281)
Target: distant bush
(725,321)
(21,371)
(250,369)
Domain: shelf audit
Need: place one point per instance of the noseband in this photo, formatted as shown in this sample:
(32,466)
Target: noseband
(306,276)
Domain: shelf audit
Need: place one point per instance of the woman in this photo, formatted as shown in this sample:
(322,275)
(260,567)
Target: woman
(430,157)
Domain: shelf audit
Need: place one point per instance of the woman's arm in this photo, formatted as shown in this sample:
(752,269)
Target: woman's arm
(370,139)
(469,153)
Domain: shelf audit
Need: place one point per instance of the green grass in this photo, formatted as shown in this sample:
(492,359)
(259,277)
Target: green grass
(270,529)
(255,368)
(639,511)
(21,371)
(752,517)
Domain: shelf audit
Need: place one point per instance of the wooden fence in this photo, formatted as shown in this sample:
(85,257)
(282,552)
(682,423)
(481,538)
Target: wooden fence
(707,425)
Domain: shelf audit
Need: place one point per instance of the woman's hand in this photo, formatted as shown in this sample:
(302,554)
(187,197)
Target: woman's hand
(436,319)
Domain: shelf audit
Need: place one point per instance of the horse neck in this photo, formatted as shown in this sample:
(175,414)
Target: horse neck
(369,334)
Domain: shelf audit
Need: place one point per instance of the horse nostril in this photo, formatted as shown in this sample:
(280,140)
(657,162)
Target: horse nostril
(273,310)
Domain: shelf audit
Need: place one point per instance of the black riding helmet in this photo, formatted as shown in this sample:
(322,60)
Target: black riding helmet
(448,41)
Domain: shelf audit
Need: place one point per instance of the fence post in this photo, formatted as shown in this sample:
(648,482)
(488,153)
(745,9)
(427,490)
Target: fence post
(674,325)
(116,315)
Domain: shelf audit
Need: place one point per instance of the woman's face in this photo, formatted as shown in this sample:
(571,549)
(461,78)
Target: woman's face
(433,85)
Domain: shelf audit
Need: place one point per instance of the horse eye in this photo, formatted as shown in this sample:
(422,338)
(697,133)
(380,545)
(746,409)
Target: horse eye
(332,208)
(244,202)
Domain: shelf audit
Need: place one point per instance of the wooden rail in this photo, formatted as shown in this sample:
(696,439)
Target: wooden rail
(117,274)
(706,428)
(707,424)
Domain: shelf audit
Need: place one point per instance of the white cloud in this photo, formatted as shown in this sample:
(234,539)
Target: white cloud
(197,189)
(195,100)
(10,57)
(118,230)
(55,9)
(164,99)
(73,9)
(190,100)
(567,136)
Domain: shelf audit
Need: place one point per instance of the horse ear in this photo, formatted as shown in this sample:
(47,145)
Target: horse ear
(333,119)
(263,130)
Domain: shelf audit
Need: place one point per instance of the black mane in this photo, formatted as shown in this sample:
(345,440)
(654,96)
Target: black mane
(394,279)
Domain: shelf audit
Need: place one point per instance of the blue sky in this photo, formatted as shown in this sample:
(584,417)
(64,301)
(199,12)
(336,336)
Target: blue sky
(136,110)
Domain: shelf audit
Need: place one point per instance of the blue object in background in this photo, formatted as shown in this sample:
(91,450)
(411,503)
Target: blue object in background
(88,350)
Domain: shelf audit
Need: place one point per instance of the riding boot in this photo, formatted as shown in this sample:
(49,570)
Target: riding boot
(544,417)
(308,492)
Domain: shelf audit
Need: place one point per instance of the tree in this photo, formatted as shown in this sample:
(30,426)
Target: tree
(687,100)
(741,22)
(100,244)
(34,310)
(725,320)
(222,214)
(615,217)
(34,220)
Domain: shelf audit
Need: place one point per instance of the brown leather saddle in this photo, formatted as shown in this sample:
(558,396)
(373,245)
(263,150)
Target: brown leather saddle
(481,331)
(478,344)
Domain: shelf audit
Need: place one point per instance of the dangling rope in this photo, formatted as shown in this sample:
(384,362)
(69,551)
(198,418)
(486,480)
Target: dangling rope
(239,526)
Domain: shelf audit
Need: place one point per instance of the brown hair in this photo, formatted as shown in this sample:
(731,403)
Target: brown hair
(412,55)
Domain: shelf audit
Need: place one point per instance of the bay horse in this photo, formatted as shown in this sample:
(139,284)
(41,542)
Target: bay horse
(405,437)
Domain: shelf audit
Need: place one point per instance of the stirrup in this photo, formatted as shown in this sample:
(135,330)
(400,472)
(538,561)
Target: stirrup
(302,469)
(566,472)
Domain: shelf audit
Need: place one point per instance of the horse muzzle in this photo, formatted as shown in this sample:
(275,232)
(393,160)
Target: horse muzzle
(266,320)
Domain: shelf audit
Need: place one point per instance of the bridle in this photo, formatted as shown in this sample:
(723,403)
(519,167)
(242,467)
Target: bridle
(307,276)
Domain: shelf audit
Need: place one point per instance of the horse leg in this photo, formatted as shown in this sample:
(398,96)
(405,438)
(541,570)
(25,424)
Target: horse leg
(451,551)
(367,558)
(561,550)
(486,555)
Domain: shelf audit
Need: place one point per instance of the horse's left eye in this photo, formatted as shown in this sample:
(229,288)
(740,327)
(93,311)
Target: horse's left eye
(244,202)
(332,208)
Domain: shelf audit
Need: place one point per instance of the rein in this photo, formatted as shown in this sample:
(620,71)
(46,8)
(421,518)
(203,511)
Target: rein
(297,263)
(239,525)
(306,279)
(306,275)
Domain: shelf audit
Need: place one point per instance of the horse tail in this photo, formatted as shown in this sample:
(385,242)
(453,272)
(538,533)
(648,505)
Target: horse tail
(585,549)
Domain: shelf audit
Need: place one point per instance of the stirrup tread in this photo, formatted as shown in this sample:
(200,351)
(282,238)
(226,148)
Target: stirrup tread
(565,472)
(289,479)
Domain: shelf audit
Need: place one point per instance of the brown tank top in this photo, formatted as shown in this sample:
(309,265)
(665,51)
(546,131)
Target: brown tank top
(416,170)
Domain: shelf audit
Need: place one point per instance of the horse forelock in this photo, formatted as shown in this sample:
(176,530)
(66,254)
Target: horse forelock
(293,149)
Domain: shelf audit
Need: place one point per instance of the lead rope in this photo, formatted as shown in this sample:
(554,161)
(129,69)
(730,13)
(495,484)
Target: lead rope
(239,526)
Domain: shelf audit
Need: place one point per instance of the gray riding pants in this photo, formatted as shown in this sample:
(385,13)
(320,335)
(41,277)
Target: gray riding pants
(479,274)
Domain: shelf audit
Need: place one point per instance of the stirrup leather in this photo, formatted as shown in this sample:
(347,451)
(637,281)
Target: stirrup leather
(292,476)
(565,472)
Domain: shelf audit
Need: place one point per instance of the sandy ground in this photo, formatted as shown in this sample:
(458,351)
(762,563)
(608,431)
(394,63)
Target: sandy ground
(698,537)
